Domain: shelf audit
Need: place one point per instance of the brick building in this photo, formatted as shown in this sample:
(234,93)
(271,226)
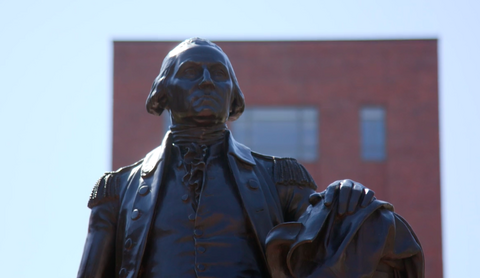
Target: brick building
(364,110)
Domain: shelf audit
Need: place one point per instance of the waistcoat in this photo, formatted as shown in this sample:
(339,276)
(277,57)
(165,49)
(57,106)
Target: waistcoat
(201,236)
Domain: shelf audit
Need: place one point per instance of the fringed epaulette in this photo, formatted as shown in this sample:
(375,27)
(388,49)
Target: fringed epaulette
(106,188)
(103,191)
(288,171)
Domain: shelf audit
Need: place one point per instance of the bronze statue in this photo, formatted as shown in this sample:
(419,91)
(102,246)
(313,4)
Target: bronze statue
(204,205)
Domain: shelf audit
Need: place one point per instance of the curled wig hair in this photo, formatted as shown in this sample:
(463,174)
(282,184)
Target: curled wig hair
(157,99)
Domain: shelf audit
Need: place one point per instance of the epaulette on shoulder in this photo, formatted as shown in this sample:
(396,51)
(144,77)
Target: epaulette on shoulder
(287,171)
(105,188)
(103,191)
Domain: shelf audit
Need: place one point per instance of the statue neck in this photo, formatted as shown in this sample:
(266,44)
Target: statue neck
(202,135)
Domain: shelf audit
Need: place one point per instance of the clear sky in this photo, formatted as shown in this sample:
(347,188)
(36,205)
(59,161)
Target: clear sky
(56,103)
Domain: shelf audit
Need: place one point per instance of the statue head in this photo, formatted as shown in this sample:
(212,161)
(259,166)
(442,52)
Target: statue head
(197,85)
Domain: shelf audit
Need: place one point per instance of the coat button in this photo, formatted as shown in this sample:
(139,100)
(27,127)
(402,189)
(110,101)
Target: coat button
(191,217)
(201,267)
(128,244)
(198,233)
(122,273)
(253,184)
(185,197)
(144,190)
(135,214)
(201,249)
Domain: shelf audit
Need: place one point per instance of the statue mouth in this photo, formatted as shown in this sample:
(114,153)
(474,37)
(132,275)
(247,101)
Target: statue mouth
(205,99)
(205,107)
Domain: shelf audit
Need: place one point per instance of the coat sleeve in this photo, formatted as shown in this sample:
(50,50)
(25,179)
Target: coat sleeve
(98,258)
(294,185)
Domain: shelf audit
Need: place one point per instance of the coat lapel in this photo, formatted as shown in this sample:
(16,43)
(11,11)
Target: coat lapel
(141,211)
(242,165)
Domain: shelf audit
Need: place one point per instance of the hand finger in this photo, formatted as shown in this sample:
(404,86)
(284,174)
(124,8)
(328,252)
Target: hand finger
(345,189)
(330,192)
(357,191)
(368,197)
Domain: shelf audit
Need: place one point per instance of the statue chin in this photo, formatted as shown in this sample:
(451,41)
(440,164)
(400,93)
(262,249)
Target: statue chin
(204,119)
(207,120)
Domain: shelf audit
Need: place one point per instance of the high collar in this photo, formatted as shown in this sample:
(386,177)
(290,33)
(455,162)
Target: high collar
(201,135)
(238,150)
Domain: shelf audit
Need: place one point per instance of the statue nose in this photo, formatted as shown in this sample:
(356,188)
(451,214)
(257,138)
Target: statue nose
(206,80)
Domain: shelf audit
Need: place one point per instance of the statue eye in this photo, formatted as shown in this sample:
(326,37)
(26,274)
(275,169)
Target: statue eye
(219,74)
(191,72)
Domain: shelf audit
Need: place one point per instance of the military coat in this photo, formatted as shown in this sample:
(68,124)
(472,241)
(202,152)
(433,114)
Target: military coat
(272,190)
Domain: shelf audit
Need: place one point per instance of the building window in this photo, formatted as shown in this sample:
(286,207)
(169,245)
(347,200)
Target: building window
(279,131)
(372,125)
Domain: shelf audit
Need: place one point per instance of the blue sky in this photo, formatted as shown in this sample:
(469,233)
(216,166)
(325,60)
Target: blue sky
(56,89)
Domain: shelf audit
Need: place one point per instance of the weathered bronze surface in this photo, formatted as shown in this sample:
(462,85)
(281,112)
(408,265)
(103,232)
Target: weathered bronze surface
(204,205)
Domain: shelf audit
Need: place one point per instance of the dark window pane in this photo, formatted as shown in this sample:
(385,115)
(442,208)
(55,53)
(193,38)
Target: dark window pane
(372,125)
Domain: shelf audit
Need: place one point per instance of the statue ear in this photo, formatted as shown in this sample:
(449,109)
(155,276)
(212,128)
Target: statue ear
(238,104)
(157,99)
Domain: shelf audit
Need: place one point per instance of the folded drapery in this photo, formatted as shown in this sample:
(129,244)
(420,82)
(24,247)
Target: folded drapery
(372,242)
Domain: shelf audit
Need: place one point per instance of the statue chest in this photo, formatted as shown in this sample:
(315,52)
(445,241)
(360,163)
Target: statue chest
(202,234)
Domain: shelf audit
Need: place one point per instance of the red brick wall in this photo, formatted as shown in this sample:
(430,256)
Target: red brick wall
(338,77)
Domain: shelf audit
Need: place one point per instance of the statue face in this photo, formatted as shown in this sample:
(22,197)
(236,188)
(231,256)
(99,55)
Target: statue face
(199,90)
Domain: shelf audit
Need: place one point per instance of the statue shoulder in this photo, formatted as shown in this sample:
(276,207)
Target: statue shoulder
(108,186)
(287,171)
(263,157)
